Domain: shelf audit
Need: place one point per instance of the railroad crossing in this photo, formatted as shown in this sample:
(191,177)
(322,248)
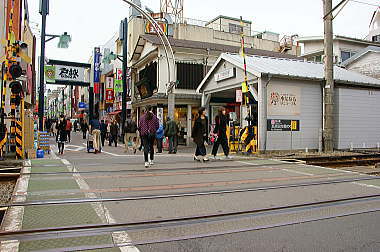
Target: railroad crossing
(110,201)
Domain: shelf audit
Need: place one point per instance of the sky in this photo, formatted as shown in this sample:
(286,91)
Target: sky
(92,23)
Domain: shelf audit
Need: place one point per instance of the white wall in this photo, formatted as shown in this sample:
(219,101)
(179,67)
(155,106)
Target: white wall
(358,118)
(310,118)
(369,65)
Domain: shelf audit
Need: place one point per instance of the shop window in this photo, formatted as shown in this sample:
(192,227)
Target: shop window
(189,75)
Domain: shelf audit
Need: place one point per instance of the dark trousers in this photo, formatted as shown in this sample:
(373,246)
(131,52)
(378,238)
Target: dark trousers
(84,134)
(68,132)
(61,147)
(113,138)
(172,144)
(159,144)
(222,140)
(103,138)
(147,142)
(200,150)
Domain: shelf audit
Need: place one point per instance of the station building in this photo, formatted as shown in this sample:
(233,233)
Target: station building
(289,96)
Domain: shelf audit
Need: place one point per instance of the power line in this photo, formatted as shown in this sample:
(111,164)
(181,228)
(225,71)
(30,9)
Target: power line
(370,4)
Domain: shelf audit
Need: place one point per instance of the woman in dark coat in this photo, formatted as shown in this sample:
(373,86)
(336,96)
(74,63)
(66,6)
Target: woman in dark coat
(61,134)
(199,135)
(221,123)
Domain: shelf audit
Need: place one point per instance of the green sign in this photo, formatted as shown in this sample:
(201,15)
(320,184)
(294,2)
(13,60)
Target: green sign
(50,74)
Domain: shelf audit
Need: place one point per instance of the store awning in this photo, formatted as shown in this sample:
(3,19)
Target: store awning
(115,112)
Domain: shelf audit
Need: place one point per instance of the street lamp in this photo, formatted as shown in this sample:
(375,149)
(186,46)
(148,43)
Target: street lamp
(64,41)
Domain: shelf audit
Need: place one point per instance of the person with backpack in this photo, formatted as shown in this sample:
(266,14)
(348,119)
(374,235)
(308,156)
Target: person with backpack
(95,131)
(171,131)
(148,126)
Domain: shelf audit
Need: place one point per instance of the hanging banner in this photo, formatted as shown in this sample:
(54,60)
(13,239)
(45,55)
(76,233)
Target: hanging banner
(118,83)
(97,70)
(110,96)
(239,95)
(109,82)
(284,100)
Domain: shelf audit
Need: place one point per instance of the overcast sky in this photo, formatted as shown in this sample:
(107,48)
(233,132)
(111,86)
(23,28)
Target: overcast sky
(92,22)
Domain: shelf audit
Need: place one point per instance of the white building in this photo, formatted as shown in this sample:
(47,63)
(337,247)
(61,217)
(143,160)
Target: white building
(374,27)
(343,47)
(366,61)
(290,91)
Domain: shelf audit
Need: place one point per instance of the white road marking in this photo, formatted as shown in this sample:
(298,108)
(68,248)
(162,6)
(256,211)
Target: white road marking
(365,185)
(121,239)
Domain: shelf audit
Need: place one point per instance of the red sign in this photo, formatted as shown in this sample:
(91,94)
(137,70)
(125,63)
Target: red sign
(110,97)
(96,88)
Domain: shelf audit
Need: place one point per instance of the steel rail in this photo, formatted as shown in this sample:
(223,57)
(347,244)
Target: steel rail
(182,195)
(111,227)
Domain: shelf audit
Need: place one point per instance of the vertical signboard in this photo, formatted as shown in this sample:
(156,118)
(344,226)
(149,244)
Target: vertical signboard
(97,70)
(110,96)
(118,81)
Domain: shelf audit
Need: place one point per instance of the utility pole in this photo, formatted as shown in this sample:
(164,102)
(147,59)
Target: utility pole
(125,72)
(44,11)
(328,129)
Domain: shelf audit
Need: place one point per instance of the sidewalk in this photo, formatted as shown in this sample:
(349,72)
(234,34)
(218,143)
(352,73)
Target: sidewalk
(43,187)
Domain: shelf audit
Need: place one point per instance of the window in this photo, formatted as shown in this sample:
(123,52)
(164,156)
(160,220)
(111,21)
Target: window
(189,75)
(345,55)
(318,58)
(234,28)
(376,38)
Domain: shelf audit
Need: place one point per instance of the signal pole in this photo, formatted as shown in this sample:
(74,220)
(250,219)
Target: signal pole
(44,10)
(328,99)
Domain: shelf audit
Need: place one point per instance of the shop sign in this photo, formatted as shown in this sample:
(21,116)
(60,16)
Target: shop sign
(97,65)
(82,105)
(110,96)
(225,74)
(239,95)
(109,83)
(149,28)
(284,100)
(283,125)
(160,115)
(64,73)
(118,83)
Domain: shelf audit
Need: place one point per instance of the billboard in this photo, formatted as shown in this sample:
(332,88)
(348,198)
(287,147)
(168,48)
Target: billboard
(283,100)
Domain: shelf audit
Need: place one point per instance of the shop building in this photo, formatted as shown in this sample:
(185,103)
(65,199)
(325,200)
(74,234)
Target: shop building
(289,109)
(193,60)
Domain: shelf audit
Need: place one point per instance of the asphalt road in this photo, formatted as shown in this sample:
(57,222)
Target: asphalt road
(343,226)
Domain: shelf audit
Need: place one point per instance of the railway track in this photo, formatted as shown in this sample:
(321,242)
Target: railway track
(189,194)
(183,222)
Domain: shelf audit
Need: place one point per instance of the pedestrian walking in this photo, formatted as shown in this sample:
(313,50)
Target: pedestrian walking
(95,131)
(221,123)
(69,127)
(160,138)
(199,135)
(75,125)
(61,134)
(114,132)
(52,129)
(103,131)
(84,128)
(130,135)
(171,131)
(148,126)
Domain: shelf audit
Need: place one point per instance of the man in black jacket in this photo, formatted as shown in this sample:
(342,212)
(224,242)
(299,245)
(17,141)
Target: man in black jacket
(221,123)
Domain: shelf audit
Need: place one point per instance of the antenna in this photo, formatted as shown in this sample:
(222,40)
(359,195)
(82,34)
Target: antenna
(173,8)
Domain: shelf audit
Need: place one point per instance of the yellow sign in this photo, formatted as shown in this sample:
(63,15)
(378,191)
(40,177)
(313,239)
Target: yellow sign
(294,125)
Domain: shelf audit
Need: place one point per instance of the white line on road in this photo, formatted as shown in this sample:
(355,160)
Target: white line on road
(121,239)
